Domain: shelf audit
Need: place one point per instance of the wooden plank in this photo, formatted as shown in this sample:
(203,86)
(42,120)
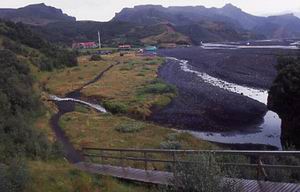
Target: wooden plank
(160,177)
(155,177)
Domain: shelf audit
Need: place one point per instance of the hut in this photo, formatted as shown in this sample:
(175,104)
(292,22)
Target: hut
(150,50)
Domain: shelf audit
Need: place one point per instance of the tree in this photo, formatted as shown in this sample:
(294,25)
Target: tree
(284,98)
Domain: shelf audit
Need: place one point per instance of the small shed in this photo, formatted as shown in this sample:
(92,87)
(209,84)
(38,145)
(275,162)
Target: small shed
(84,45)
(124,47)
(150,49)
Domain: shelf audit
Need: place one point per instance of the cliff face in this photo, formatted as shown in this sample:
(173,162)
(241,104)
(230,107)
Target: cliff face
(284,98)
(37,14)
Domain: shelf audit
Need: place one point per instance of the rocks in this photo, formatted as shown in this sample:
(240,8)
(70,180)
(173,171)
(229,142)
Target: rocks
(201,106)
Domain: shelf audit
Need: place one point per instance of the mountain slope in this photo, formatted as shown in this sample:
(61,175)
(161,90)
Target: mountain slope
(282,26)
(169,35)
(37,14)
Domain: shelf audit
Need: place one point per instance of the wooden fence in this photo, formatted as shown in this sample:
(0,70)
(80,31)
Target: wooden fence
(258,161)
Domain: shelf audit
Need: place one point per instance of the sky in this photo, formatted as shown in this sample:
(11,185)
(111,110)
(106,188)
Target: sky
(104,10)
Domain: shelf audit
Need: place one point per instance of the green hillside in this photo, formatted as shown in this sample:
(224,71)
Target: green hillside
(20,105)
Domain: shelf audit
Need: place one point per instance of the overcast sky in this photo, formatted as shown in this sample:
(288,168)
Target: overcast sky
(103,10)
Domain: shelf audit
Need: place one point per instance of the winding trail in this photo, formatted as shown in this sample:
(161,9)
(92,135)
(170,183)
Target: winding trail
(67,105)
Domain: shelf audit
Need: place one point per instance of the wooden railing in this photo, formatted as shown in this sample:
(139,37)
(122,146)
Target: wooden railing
(252,159)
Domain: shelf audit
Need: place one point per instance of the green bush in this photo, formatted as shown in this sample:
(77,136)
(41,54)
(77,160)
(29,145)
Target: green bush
(203,176)
(115,107)
(172,142)
(96,58)
(173,136)
(170,145)
(129,127)
(13,178)
(158,87)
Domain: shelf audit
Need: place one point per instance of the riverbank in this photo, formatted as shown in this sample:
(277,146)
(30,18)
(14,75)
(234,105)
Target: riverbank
(248,67)
(201,106)
(206,103)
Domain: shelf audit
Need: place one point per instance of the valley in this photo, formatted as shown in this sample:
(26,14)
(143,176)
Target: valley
(190,96)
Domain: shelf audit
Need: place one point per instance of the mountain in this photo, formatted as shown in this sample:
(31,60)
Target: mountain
(229,16)
(198,23)
(37,14)
(282,26)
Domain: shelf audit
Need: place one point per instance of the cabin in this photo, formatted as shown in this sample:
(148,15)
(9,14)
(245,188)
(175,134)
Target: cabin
(84,45)
(150,50)
(124,47)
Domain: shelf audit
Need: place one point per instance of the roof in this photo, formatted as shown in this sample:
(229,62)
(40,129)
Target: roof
(151,48)
(124,46)
(86,43)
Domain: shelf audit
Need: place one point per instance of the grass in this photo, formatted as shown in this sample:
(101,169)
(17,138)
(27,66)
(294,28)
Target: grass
(99,130)
(126,88)
(130,127)
(103,131)
(59,176)
(62,81)
(131,87)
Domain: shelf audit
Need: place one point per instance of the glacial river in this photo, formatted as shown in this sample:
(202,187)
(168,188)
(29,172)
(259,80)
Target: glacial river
(267,133)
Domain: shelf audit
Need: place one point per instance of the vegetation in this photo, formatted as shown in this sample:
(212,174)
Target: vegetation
(130,127)
(60,176)
(191,177)
(157,87)
(19,39)
(172,142)
(96,58)
(169,35)
(20,140)
(62,81)
(19,106)
(284,99)
(99,130)
(132,93)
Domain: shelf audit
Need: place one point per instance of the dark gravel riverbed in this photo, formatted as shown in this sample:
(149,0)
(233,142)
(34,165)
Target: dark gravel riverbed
(250,67)
(201,106)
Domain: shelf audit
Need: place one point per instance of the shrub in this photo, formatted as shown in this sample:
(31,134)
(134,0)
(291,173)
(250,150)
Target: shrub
(158,87)
(129,127)
(115,107)
(203,176)
(173,136)
(170,145)
(96,58)
(13,178)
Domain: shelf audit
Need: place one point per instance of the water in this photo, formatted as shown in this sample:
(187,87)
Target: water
(256,94)
(94,106)
(267,133)
(231,46)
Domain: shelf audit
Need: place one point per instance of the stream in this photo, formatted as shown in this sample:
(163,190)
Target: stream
(67,105)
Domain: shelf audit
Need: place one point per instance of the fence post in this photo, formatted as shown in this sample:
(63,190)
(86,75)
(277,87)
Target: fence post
(261,169)
(145,161)
(174,162)
(122,159)
(102,158)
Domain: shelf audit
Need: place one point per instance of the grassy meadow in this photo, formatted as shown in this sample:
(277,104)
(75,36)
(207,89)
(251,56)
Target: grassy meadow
(129,89)
(60,176)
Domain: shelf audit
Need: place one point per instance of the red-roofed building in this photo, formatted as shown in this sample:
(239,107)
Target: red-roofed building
(124,47)
(84,45)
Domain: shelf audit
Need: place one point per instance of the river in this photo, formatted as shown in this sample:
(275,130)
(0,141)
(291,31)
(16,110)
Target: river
(268,132)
